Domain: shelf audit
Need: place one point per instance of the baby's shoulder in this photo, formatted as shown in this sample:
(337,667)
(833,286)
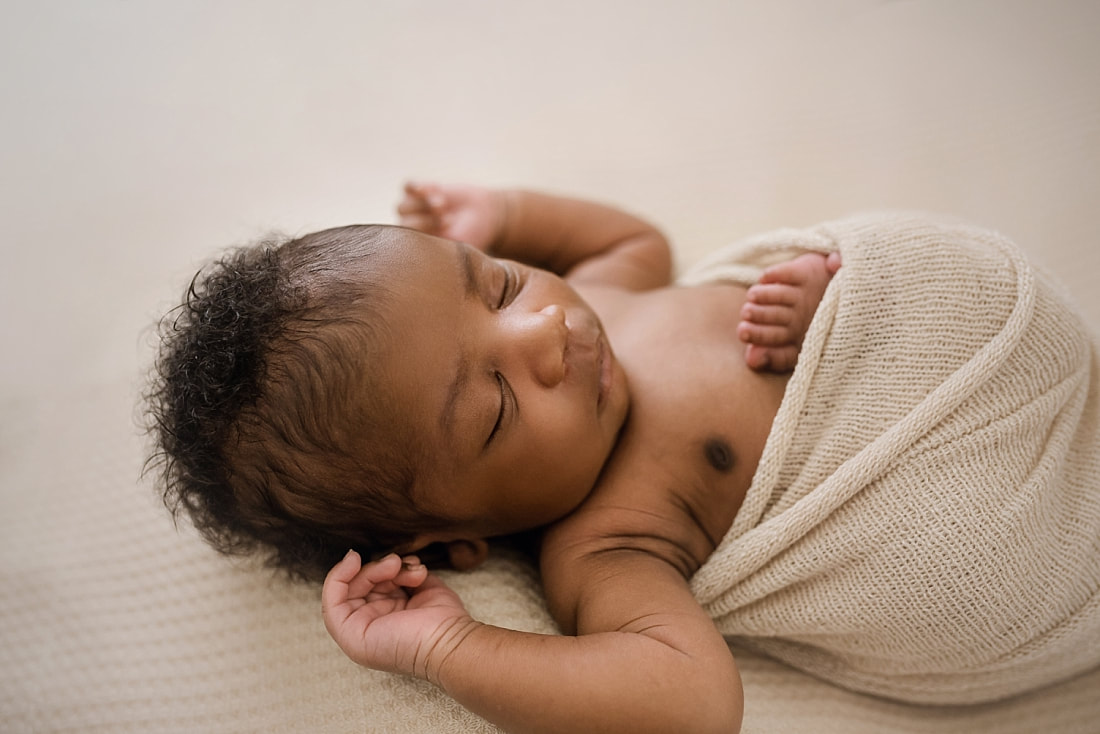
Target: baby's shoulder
(617,535)
(638,508)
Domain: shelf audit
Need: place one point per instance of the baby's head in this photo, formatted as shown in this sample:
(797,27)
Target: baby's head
(266,416)
(375,388)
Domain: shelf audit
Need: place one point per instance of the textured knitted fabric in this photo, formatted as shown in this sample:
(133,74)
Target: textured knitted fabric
(924,524)
(111,620)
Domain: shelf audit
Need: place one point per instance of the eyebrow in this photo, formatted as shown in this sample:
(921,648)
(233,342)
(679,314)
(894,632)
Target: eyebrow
(468,275)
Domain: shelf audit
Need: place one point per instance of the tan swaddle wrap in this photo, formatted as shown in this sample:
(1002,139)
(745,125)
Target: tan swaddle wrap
(924,523)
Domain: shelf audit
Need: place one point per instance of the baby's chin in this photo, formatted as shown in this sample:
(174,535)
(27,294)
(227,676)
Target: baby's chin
(619,404)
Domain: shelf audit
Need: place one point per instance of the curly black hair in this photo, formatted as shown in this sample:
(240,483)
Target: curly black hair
(271,435)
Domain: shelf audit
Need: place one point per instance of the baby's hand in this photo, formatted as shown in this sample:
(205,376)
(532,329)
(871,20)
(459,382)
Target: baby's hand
(392,614)
(469,214)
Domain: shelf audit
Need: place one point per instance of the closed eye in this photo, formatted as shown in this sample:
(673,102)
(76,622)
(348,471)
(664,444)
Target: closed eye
(507,401)
(508,289)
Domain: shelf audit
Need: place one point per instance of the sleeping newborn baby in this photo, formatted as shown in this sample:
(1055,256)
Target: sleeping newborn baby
(514,362)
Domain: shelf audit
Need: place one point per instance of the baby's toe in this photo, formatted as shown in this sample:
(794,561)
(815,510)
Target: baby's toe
(774,294)
(765,335)
(771,359)
(772,315)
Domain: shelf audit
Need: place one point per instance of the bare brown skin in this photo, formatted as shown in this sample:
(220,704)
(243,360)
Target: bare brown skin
(639,654)
(697,427)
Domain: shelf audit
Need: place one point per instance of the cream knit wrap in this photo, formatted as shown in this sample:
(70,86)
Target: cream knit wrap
(925,520)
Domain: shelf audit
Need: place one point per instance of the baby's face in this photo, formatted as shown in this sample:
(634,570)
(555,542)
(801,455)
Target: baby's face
(508,380)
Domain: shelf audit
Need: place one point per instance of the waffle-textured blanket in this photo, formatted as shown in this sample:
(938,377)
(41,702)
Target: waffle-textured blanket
(925,521)
(113,621)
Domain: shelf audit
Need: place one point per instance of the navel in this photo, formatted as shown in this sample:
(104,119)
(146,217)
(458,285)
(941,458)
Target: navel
(719,454)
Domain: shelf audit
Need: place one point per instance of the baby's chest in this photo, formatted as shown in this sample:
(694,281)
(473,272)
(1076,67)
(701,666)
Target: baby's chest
(684,480)
(699,417)
(696,407)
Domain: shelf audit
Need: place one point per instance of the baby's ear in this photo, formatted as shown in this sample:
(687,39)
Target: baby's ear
(467,555)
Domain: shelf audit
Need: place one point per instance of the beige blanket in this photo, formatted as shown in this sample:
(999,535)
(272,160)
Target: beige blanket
(925,521)
(113,621)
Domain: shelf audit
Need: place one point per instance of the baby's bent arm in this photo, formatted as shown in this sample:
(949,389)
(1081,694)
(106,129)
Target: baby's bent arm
(645,658)
(584,241)
(580,240)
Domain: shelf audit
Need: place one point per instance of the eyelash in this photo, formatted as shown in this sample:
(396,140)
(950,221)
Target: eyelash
(507,295)
(505,399)
(509,279)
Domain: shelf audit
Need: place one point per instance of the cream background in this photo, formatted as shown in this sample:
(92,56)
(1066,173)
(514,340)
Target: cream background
(137,138)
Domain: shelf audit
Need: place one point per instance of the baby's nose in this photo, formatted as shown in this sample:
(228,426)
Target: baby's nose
(548,335)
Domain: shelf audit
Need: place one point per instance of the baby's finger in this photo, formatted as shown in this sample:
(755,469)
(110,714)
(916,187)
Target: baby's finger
(412,573)
(378,576)
(413,205)
(345,569)
(433,195)
(421,199)
(431,591)
(334,593)
(418,189)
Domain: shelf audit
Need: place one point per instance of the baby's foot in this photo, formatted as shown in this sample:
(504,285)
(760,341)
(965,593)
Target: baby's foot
(778,310)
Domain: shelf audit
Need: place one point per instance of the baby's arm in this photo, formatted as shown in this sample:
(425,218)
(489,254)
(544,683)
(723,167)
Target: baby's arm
(581,240)
(778,310)
(651,660)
